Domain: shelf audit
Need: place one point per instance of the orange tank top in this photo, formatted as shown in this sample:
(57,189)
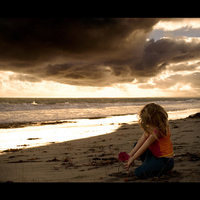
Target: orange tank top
(162,147)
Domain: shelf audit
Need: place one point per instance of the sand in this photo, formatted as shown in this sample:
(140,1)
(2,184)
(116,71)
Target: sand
(94,159)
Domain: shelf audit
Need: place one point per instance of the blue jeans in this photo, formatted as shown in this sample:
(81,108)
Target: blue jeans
(153,166)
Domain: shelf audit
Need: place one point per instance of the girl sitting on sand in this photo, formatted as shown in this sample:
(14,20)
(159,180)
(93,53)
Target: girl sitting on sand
(154,148)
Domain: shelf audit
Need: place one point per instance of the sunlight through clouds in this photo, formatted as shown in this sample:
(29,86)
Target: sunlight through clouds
(100,58)
(178,23)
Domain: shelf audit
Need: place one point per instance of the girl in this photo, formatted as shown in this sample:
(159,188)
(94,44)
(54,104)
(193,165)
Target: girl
(154,148)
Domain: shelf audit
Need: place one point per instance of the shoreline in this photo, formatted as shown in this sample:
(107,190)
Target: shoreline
(94,159)
(178,114)
(28,135)
(26,124)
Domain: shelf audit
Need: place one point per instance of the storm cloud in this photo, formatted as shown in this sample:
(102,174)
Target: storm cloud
(88,52)
(157,55)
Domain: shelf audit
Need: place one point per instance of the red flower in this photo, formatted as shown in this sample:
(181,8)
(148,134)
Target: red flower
(123,156)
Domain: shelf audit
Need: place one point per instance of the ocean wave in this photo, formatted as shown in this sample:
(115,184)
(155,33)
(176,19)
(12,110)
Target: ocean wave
(39,110)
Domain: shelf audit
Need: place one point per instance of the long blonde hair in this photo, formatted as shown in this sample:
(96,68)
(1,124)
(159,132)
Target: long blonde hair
(155,116)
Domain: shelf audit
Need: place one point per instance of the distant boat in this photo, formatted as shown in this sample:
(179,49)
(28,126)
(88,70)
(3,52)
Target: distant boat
(33,103)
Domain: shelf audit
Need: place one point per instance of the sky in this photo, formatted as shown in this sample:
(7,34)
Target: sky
(103,57)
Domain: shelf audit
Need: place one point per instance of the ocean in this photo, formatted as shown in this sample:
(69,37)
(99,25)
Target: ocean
(21,110)
(25,118)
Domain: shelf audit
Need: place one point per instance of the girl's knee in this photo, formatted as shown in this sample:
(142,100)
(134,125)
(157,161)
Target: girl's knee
(139,173)
(143,173)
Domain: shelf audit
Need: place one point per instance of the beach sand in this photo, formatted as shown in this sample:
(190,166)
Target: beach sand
(94,159)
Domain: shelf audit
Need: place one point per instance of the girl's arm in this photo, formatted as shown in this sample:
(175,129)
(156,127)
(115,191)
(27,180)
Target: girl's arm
(138,145)
(141,150)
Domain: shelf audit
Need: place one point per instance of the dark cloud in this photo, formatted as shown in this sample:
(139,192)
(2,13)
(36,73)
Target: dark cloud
(38,39)
(158,55)
(169,50)
(93,52)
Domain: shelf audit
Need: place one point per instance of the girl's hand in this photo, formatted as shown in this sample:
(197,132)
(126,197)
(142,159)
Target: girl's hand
(129,163)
